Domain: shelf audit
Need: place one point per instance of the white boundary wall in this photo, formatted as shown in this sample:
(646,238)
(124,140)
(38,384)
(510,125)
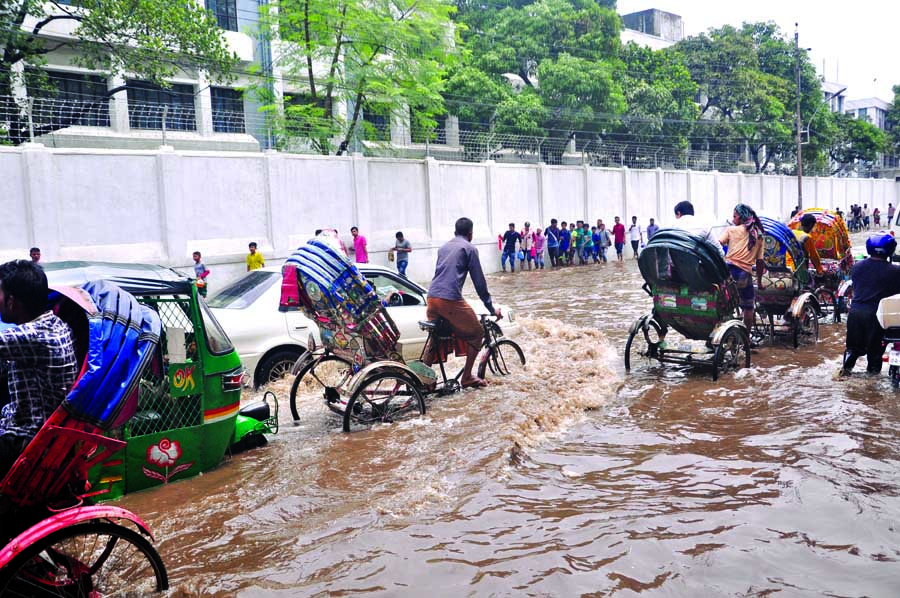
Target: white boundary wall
(159,206)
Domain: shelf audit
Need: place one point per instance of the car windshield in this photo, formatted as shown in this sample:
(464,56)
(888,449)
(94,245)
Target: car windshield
(244,291)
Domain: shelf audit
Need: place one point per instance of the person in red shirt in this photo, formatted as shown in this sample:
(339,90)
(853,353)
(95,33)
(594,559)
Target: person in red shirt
(619,238)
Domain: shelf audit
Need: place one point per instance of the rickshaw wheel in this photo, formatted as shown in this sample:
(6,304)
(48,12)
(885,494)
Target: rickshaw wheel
(328,371)
(894,374)
(385,397)
(844,304)
(828,302)
(639,346)
(93,558)
(763,325)
(503,358)
(806,326)
(732,353)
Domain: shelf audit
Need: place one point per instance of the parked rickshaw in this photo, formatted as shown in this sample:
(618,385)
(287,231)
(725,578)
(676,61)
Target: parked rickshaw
(358,368)
(188,413)
(833,288)
(694,295)
(785,303)
(55,542)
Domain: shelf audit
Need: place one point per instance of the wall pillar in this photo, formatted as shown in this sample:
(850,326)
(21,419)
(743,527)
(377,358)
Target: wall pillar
(587,193)
(204,106)
(361,203)
(171,206)
(543,190)
(452,131)
(625,180)
(715,174)
(41,217)
(118,105)
(488,192)
(659,193)
(433,198)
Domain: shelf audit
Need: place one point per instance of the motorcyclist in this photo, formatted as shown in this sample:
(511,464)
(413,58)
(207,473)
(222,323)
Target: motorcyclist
(873,279)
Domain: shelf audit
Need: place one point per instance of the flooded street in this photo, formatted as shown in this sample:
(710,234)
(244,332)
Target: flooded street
(570,478)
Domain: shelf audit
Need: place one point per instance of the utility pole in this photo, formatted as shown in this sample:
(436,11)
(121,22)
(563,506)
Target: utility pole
(799,122)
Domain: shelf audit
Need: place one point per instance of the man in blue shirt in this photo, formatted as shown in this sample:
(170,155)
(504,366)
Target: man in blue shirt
(552,234)
(565,240)
(510,239)
(456,259)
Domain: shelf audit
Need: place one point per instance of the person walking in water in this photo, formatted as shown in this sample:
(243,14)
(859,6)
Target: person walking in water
(510,240)
(746,244)
(619,238)
(552,234)
(456,260)
(636,236)
(605,241)
(539,241)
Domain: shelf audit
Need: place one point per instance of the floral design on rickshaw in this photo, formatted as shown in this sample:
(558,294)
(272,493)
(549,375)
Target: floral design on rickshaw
(165,454)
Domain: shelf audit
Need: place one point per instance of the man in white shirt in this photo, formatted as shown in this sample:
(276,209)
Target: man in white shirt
(635,235)
(686,221)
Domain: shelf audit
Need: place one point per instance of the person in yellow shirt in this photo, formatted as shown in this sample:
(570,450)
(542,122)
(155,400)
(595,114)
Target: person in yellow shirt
(804,237)
(255,259)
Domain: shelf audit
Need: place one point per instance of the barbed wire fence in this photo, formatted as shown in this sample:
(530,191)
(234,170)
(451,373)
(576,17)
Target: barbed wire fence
(76,121)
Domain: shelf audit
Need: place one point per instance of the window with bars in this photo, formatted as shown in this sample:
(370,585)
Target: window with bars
(227,110)
(72,99)
(436,135)
(225,12)
(378,120)
(146,101)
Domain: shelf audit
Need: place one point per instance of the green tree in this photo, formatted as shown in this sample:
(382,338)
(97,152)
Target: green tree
(747,80)
(149,39)
(893,118)
(385,53)
(855,141)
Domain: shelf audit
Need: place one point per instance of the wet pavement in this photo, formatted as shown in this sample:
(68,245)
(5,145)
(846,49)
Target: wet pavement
(568,478)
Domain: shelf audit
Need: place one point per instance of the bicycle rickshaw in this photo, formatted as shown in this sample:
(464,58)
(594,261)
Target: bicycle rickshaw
(361,373)
(785,304)
(833,288)
(693,294)
(56,543)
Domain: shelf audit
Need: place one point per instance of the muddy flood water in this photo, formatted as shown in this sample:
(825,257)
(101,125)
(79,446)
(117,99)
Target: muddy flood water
(571,478)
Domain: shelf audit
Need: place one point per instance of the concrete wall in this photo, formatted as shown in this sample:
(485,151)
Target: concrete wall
(158,206)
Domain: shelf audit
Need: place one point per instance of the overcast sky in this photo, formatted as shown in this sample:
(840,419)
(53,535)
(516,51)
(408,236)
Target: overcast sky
(857,40)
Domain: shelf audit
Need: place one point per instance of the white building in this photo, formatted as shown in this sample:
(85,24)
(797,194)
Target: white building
(653,28)
(873,110)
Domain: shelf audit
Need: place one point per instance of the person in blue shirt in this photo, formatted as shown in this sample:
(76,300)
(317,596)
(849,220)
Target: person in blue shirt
(651,229)
(595,239)
(553,239)
(565,239)
(510,239)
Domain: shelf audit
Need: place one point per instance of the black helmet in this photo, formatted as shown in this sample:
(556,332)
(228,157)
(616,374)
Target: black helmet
(881,244)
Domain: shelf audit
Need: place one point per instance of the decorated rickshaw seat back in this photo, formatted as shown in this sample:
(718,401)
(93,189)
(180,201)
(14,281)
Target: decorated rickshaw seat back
(675,257)
(830,234)
(333,292)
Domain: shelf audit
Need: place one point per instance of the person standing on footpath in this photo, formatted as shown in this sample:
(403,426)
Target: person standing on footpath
(552,234)
(605,241)
(510,239)
(890,214)
(527,244)
(457,259)
(402,249)
(746,244)
(200,273)
(651,229)
(619,238)
(565,239)
(539,242)
(873,279)
(360,247)
(255,259)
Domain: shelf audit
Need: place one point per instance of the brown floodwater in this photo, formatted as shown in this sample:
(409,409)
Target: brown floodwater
(569,478)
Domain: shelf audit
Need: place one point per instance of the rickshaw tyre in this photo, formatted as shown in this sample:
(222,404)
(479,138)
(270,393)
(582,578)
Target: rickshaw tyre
(496,349)
(295,385)
(719,365)
(827,297)
(660,331)
(414,385)
(806,311)
(120,533)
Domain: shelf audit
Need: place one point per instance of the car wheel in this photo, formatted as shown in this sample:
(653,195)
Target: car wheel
(275,366)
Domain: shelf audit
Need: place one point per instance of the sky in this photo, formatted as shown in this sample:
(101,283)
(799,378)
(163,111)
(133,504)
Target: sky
(857,42)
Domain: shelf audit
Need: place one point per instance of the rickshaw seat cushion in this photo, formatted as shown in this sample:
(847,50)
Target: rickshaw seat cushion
(440,326)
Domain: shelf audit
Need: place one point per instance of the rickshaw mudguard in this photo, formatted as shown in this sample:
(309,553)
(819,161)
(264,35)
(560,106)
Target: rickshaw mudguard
(844,287)
(380,366)
(639,323)
(302,361)
(715,337)
(65,519)
(797,304)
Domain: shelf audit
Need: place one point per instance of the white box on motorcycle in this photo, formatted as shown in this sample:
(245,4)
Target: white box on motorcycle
(889,312)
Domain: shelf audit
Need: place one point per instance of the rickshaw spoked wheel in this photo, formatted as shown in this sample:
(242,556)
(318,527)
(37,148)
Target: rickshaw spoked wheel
(639,344)
(327,371)
(828,302)
(384,397)
(732,353)
(87,559)
(806,327)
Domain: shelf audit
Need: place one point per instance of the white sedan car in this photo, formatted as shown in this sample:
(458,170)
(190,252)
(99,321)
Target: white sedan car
(269,341)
